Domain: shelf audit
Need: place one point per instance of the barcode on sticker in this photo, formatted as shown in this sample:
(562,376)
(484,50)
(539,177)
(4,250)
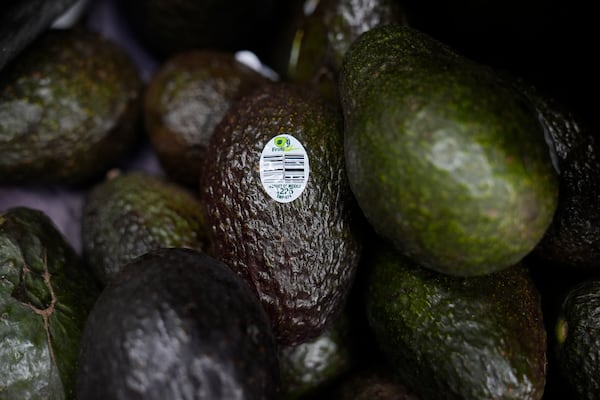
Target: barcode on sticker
(283,168)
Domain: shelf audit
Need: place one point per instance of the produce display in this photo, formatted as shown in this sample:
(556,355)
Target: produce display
(301,200)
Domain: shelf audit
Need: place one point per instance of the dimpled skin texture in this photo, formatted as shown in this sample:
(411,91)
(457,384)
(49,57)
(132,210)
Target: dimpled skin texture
(457,338)
(178,325)
(300,256)
(445,159)
(68,109)
(129,215)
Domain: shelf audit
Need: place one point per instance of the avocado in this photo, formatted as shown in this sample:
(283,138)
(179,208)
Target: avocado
(573,238)
(21,22)
(449,337)
(446,159)
(45,297)
(279,207)
(167,27)
(326,30)
(184,101)
(577,339)
(308,367)
(68,109)
(177,324)
(130,214)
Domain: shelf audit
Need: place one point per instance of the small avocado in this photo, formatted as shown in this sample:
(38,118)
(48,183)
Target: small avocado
(449,337)
(308,367)
(69,108)
(446,159)
(327,28)
(177,324)
(185,100)
(45,297)
(577,339)
(130,214)
(279,207)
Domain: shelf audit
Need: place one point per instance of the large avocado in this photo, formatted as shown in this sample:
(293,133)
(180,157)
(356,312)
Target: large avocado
(446,160)
(279,207)
(449,337)
(131,214)
(68,109)
(177,324)
(185,100)
(45,297)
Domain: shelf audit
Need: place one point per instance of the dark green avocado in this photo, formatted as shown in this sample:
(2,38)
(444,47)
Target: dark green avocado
(177,324)
(577,339)
(45,297)
(185,100)
(128,215)
(451,337)
(279,207)
(68,109)
(446,159)
(326,30)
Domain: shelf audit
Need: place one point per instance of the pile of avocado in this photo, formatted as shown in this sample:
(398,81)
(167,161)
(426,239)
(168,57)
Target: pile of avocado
(378,210)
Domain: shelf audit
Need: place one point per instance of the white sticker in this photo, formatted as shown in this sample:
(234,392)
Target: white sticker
(284,168)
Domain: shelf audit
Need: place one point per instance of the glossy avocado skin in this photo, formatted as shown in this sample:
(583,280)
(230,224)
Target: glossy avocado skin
(446,160)
(68,109)
(185,100)
(457,338)
(177,324)
(577,342)
(45,297)
(300,256)
(131,214)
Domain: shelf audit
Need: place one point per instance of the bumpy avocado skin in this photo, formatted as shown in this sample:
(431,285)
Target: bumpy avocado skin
(457,338)
(300,256)
(325,34)
(69,107)
(445,159)
(577,339)
(573,238)
(176,324)
(185,100)
(131,214)
(45,297)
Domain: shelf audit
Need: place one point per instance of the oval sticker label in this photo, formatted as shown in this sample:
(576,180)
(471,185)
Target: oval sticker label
(284,168)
